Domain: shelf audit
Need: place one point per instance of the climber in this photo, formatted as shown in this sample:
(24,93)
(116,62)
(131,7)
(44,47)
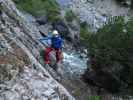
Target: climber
(55,45)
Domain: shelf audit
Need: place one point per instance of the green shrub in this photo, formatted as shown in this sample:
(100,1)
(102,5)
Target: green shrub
(94,98)
(84,34)
(112,45)
(40,8)
(132,4)
(83,31)
(69,15)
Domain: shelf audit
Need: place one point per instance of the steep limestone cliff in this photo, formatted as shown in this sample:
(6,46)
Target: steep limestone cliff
(25,78)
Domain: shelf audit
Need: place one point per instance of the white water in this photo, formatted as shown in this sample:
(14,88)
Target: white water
(74,65)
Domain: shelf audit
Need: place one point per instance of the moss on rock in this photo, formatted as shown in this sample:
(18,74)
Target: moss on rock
(40,8)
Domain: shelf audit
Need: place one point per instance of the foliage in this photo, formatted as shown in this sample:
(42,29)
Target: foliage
(69,15)
(94,98)
(112,45)
(84,33)
(40,8)
(132,4)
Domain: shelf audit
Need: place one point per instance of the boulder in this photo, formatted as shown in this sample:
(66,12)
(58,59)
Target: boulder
(42,20)
(44,29)
(74,28)
(74,25)
(61,27)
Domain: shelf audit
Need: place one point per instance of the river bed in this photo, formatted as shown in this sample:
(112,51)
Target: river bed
(74,65)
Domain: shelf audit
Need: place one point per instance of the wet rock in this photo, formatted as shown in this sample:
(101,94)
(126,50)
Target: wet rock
(69,33)
(42,20)
(73,36)
(127,3)
(61,27)
(74,25)
(44,29)
(74,66)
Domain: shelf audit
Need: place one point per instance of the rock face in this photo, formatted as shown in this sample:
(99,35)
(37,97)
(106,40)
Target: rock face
(42,20)
(61,27)
(33,85)
(20,42)
(95,12)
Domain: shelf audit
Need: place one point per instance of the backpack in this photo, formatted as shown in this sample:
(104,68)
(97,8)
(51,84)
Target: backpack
(56,42)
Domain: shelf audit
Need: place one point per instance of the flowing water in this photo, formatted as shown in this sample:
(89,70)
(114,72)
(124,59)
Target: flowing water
(74,65)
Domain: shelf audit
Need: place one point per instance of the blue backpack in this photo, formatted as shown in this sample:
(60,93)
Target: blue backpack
(56,42)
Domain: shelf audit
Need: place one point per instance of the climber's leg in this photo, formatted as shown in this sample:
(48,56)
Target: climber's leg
(46,55)
(58,55)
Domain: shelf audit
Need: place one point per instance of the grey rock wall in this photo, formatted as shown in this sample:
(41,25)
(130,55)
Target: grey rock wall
(34,82)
